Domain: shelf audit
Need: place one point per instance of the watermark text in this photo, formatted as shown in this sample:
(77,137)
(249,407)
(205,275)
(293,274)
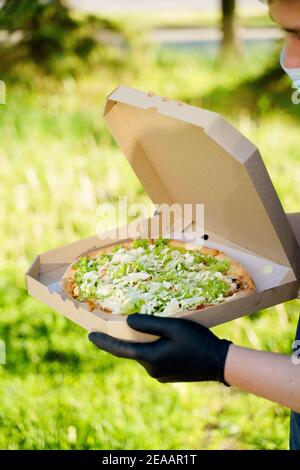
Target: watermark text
(133,221)
(2,92)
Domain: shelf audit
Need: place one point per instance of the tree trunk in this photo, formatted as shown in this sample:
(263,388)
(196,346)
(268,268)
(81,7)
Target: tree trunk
(230,43)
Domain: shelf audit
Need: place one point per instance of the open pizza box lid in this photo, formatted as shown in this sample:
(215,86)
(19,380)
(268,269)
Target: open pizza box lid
(186,155)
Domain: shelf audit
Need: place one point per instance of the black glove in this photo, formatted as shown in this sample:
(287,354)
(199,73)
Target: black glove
(185,352)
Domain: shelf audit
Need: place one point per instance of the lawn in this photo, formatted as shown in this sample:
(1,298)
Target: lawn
(58,163)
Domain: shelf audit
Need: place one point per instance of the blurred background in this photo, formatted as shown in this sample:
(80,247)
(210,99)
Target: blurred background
(58,162)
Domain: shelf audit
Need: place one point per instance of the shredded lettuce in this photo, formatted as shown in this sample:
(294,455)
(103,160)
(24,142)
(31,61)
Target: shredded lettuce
(133,306)
(140,243)
(152,278)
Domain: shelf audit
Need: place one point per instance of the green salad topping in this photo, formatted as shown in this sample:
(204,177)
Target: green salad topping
(152,278)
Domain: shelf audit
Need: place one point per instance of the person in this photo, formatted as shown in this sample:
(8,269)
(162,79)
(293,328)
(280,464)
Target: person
(186,351)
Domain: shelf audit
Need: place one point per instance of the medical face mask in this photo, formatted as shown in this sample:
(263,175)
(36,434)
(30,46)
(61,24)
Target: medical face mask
(294,74)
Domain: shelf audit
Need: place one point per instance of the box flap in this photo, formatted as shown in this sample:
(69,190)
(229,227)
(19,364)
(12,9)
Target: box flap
(294,220)
(183,154)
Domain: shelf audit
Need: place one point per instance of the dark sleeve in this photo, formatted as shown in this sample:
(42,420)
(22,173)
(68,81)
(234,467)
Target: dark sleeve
(295,417)
(298,330)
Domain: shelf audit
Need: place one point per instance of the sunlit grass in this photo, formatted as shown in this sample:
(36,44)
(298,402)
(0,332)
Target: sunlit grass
(58,163)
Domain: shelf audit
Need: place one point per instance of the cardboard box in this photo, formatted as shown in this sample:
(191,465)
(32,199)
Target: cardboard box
(183,154)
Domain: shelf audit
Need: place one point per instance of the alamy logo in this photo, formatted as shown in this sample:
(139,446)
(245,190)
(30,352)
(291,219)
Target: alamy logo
(130,220)
(2,92)
(2,353)
(296,94)
(296,353)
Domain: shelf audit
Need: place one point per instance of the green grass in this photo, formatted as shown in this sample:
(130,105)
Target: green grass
(58,163)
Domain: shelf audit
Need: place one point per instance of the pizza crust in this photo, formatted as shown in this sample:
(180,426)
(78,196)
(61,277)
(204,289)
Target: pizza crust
(244,281)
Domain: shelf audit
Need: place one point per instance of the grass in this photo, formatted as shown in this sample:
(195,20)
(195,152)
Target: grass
(58,163)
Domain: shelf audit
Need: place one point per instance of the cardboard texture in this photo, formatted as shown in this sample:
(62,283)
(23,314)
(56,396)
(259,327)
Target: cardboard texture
(183,154)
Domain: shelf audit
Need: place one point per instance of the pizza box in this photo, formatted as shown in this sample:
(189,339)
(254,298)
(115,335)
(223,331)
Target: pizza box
(186,155)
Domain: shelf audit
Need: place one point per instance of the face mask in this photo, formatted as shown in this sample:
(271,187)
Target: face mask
(294,74)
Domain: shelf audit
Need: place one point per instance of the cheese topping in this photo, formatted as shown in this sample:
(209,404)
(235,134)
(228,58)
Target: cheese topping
(152,278)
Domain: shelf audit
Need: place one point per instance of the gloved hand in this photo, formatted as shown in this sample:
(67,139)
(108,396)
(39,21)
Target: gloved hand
(185,352)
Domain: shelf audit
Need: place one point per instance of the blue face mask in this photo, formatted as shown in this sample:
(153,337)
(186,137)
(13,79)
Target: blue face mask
(294,74)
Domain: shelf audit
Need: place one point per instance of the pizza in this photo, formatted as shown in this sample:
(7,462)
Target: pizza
(156,277)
